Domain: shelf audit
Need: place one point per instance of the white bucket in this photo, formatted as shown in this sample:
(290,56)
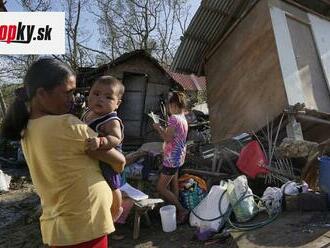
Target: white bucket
(168,217)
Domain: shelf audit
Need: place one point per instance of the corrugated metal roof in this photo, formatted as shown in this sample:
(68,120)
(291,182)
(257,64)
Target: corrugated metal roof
(210,23)
(87,75)
(189,81)
(212,19)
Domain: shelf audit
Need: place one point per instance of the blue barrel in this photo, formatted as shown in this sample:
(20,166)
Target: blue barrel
(324,179)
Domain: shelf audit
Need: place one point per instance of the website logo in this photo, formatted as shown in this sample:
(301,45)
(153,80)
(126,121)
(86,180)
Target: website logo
(32,33)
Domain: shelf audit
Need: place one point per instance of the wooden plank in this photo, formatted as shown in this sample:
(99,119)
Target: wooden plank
(141,208)
(321,31)
(245,86)
(287,58)
(150,202)
(208,173)
(157,89)
(152,103)
(289,9)
(314,85)
(316,7)
(132,128)
(137,221)
(132,106)
(134,82)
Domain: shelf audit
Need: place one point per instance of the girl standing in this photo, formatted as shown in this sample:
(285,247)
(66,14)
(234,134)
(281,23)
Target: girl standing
(175,136)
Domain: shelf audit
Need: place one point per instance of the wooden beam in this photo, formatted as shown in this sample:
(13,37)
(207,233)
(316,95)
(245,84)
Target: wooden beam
(313,119)
(321,11)
(208,173)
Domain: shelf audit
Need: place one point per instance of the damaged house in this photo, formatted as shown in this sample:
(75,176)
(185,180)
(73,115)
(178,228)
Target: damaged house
(260,57)
(147,85)
(194,86)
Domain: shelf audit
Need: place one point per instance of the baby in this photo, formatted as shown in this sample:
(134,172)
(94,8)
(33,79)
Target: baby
(103,101)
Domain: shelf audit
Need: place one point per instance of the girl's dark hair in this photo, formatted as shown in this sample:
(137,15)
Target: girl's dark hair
(112,81)
(44,73)
(178,98)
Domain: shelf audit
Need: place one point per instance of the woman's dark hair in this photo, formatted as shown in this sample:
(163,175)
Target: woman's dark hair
(44,73)
(178,98)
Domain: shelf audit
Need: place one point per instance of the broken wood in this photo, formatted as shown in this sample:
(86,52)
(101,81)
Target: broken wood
(141,209)
(312,119)
(209,173)
(310,172)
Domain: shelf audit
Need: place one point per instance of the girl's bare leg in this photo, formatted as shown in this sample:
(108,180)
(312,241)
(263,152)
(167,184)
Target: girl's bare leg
(175,185)
(162,187)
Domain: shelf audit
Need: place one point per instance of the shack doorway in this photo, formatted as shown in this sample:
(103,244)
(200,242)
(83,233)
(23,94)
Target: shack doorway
(131,111)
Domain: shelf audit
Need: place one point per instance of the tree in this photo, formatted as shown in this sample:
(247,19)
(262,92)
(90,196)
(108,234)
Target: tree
(14,67)
(125,25)
(77,54)
(73,56)
(151,25)
(36,5)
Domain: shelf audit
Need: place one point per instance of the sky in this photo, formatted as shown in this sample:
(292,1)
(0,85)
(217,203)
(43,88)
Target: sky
(89,21)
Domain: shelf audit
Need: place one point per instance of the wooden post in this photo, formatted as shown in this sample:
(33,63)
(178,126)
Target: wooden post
(136,229)
(141,208)
(293,128)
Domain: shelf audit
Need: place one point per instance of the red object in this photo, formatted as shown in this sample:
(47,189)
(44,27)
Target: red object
(252,159)
(101,242)
(188,81)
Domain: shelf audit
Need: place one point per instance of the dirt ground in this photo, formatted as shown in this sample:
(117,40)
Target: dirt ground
(19,226)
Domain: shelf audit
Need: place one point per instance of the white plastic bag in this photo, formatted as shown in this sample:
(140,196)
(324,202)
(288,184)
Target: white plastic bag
(293,188)
(244,206)
(272,199)
(4,181)
(208,209)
